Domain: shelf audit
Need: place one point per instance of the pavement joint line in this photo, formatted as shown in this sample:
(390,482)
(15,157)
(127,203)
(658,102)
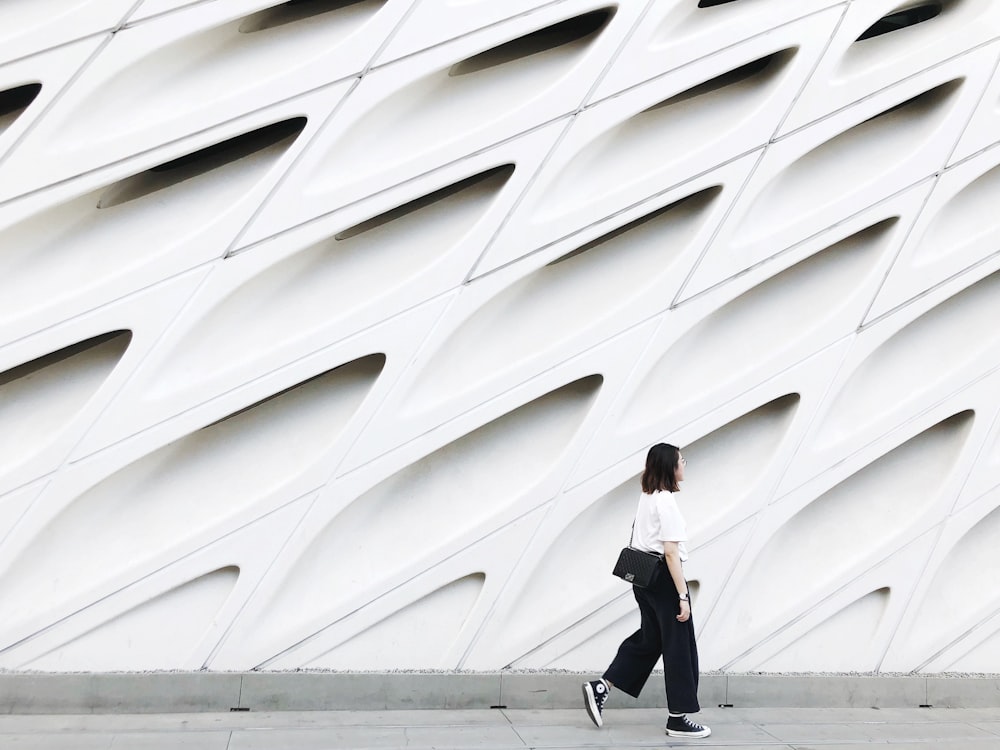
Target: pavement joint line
(763,728)
(503,712)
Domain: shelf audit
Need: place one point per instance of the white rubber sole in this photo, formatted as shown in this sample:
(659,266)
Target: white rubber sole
(590,704)
(693,735)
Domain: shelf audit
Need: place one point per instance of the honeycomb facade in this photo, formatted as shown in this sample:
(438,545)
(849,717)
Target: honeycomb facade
(333,333)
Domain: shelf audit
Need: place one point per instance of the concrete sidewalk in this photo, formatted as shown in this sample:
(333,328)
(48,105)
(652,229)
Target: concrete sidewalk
(748,728)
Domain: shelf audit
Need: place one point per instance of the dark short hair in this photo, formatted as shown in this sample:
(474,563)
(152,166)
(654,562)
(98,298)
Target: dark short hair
(661,468)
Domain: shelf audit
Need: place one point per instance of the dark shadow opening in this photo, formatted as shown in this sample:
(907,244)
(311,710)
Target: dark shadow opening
(297,10)
(902,19)
(370,362)
(237,147)
(17,99)
(13,103)
(121,341)
(694,203)
(693,588)
(713,3)
(199,162)
(922,104)
(498,176)
(869,241)
(870,234)
(764,68)
(551,37)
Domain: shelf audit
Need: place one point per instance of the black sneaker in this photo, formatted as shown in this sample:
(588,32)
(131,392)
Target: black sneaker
(594,695)
(682,726)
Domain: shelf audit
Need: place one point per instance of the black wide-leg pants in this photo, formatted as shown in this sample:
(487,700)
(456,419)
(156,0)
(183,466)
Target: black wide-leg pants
(659,634)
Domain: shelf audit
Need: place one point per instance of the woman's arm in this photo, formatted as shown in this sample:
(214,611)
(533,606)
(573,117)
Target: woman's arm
(673,557)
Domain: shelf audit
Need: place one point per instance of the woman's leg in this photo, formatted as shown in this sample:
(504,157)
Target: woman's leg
(639,652)
(680,657)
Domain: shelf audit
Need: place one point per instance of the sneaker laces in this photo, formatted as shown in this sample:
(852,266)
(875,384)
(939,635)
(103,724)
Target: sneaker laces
(688,725)
(600,694)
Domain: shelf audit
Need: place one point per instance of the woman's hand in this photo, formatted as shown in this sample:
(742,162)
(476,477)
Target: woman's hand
(685,614)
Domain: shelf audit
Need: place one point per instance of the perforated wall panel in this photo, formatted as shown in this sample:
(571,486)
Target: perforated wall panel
(333,333)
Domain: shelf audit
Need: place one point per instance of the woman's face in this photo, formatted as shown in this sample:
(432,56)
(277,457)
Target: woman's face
(679,469)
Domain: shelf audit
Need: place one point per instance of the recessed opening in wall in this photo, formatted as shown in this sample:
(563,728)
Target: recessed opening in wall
(539,314)
(498,176)
(516,450)
(14,101)
(693,588)
(38,399)
(207,479)
(419,635)
(761,72)
(372,363)
(944,344)
(846,640)
(830,179)
(149,635)
(121,341)
(237,147)
(879,504)
(578,29)
(694,203)
(903,18)
(280,134)
(300,10)
(743,450)
(636,149)
(713,3)
(967,220)
(963,585)
(787,310)
(921,104)
(549,597)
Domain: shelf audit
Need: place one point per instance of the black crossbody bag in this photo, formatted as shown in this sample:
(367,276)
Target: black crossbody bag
(636,566)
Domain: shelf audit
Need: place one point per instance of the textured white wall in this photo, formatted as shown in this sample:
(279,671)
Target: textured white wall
(371,387)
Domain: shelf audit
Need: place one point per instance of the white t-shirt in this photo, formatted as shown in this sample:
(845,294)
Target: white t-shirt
(659,520)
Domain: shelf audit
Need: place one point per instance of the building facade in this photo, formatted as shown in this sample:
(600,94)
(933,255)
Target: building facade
(333,333)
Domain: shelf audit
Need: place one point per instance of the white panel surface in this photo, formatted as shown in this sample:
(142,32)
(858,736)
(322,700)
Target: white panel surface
(29,26)
(289,286)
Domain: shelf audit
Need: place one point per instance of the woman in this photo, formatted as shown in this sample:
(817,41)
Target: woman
(664,607)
